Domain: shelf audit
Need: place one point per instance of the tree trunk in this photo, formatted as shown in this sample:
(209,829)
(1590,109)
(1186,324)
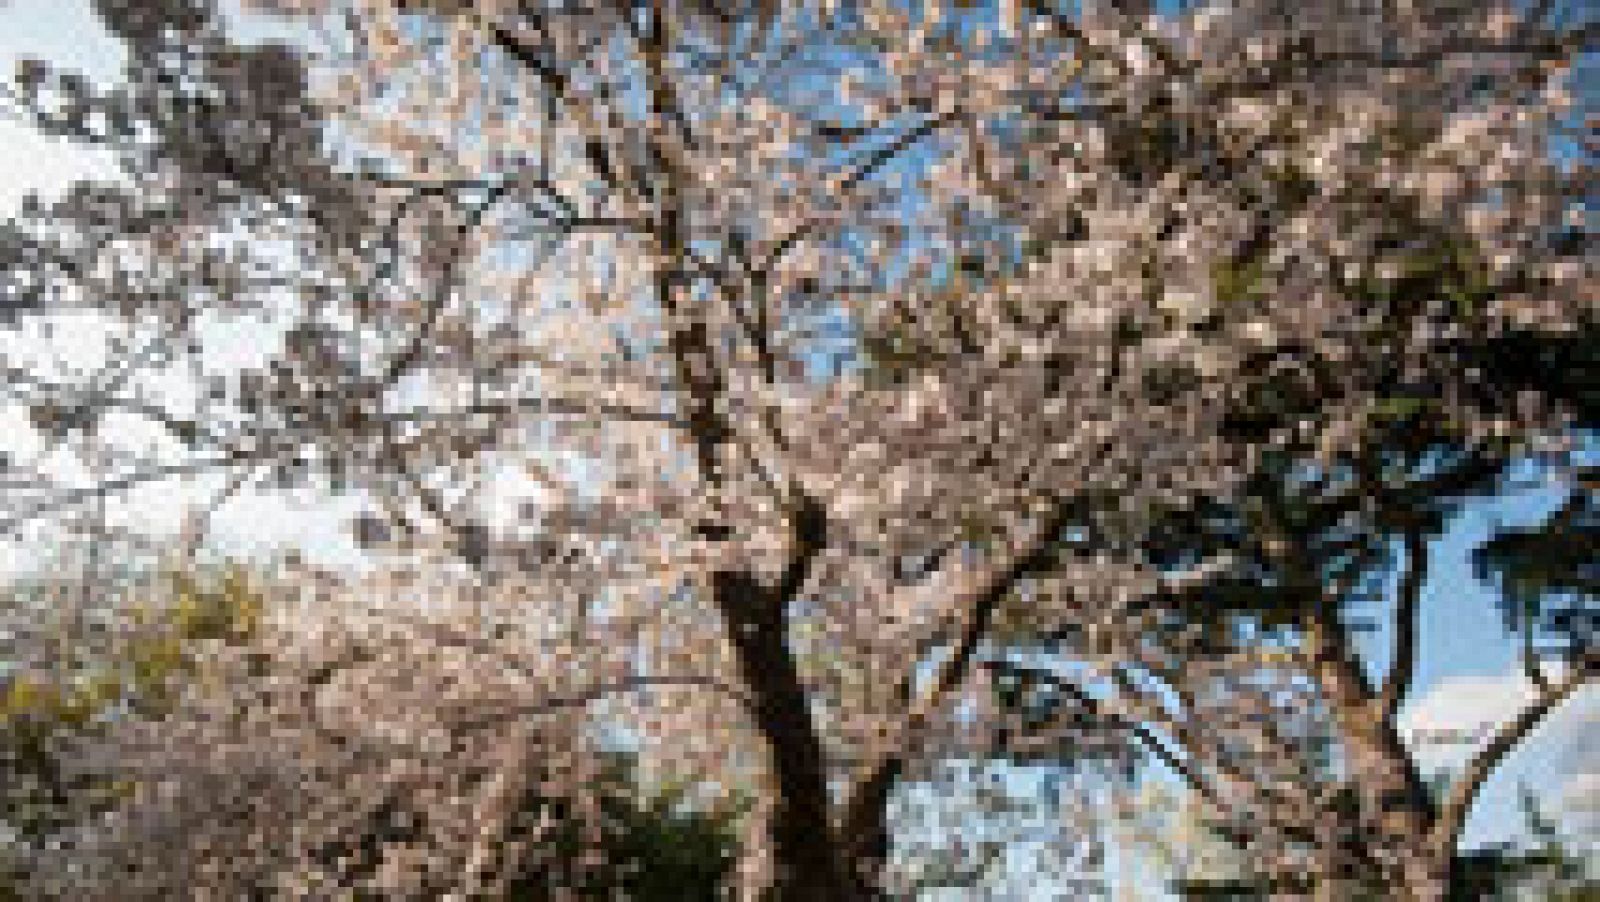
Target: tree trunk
(807,856)
(1421,877)
(866,841)
(1394,814)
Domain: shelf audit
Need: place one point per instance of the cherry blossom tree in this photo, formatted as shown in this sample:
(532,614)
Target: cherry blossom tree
(804,373)
(299,729)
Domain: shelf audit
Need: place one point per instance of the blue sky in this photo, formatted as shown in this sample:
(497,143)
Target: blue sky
(1467,662)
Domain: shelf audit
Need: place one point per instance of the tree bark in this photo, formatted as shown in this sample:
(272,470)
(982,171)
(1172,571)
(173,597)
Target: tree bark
(806,853)
(1395,814)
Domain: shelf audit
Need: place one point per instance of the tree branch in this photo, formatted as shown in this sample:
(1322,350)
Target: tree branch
(71,497)
(541,404)
(601,160)
(442,293)
(1402,671)
(869,791)
(1146,738)
(1463,793)
(874,161)
(598,691)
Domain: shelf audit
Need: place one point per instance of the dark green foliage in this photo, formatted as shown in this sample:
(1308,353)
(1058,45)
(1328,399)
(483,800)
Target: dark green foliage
(653,846)
(1548,868)
(1549,575)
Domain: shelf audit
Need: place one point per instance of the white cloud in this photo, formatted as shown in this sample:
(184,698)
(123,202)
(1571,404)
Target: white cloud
(1449,722)
(65,33)
(1446,724)
(1454,716)
(34,163)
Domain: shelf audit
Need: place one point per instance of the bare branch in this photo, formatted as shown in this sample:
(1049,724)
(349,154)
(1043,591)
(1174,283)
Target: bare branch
(1183,767)
(1463,793)
(117,484)
(861,172)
